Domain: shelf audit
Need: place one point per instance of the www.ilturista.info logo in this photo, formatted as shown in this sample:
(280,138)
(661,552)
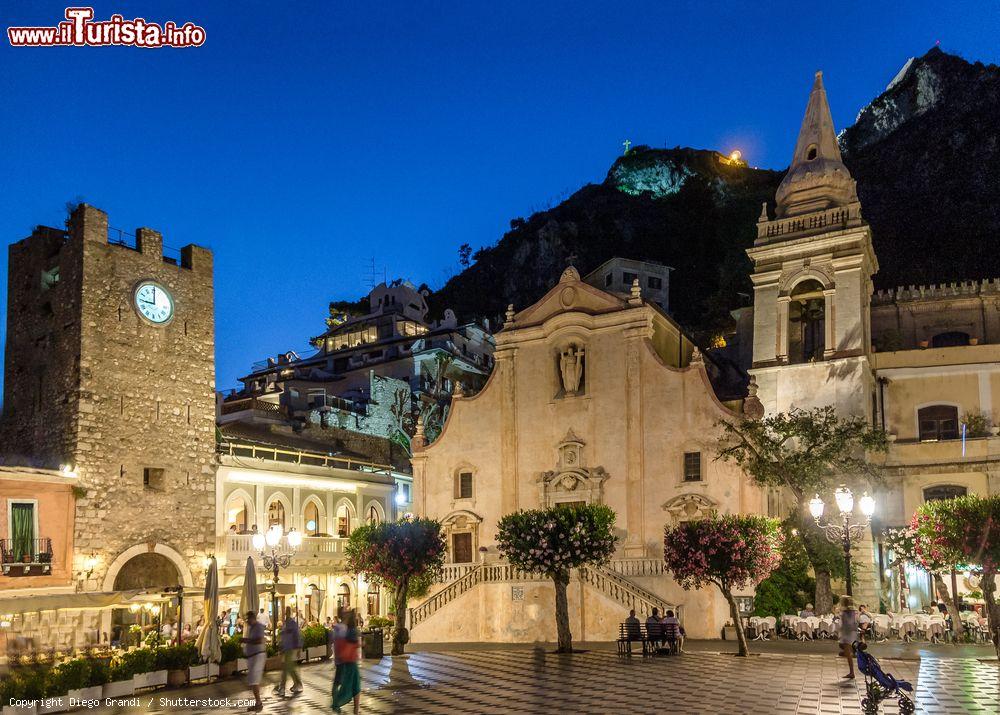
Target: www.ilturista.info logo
(81,30)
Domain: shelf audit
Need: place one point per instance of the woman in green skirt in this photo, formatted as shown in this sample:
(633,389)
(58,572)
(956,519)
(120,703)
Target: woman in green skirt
(347,679)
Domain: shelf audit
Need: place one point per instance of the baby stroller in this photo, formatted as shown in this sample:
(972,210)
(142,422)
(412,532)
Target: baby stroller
(880,685)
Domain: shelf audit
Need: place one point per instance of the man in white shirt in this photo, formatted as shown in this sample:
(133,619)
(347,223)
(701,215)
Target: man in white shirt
(264,619)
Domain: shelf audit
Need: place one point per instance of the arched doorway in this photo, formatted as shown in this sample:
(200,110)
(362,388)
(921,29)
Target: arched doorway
(310,518)
(343,596)
(151,572)
(276,513)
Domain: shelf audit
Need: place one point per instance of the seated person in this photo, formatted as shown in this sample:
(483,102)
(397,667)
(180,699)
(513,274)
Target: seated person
(654,630)
(865,621)
(807,612)
(671,630)
(633,628)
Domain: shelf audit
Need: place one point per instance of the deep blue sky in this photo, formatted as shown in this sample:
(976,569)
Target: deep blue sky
(305,138)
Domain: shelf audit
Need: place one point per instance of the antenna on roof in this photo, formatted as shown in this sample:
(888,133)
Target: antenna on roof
(372,277)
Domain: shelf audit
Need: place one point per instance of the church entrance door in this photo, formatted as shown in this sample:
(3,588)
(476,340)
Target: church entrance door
(461,548)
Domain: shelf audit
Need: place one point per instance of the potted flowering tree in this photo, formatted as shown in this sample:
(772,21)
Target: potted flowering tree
(553,541)
(904,545)
(397,553)
(732,552)
(964,530)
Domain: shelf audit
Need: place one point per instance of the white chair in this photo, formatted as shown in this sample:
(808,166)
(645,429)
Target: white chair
(907,627)
(880,627)
(826,628)
(771,623)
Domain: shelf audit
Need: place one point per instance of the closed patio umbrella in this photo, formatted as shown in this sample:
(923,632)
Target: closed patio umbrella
(249,599)
(208,643)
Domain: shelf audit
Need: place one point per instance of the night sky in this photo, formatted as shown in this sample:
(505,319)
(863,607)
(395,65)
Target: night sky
(304,139)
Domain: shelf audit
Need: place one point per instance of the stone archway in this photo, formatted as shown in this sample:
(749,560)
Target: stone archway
(145,567)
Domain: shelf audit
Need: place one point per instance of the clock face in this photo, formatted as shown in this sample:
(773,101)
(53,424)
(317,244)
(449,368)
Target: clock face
(154,302)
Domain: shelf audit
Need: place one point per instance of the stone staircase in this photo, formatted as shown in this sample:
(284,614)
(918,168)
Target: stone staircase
(612,582)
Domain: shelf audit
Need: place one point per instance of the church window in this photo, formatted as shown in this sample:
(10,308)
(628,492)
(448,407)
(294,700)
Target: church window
(628,278)
(692,466)
(944,491)
(811,152)
(463,485)
(806,323)
(950,339)
(938,422)
(654,283)
(153,478)
(609,278)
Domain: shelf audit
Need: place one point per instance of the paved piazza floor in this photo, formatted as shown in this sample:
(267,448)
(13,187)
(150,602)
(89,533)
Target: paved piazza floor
(599,681)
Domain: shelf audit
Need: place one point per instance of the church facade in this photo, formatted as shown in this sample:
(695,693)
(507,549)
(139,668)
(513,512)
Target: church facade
(594,398)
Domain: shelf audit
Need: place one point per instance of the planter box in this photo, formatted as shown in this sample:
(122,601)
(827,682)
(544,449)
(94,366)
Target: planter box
(55,704)
(241,665)
(227,669)
(27,710)
(155,679)
(317,651)
(119,689)
(93,693)
(205,670)
(274,662)
(177,678)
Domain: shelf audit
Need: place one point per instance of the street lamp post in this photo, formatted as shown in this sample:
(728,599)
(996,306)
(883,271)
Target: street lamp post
(276,556)
(846,532)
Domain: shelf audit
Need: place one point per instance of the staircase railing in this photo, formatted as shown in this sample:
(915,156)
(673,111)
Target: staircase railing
(628,594)
(447,594)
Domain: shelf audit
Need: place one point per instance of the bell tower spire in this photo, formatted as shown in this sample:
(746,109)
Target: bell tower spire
(817,178)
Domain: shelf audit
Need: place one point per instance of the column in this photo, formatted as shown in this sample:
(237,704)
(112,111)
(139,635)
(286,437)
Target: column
(829,318)
(509,498)
(781,329)
(634,547)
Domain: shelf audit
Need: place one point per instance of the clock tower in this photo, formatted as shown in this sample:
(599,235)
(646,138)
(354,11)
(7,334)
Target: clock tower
(110,372)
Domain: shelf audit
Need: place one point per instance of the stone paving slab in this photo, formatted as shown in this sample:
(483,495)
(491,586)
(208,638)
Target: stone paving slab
(540,681)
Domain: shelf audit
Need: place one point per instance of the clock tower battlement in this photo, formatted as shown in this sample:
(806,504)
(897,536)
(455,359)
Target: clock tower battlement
(110,370)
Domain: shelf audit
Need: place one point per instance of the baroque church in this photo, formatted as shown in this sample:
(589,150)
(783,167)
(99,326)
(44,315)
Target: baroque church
(601,398)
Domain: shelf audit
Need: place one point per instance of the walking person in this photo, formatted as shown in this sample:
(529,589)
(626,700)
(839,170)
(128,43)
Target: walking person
(291,641)
(255,650)
(347,652)
(848,632)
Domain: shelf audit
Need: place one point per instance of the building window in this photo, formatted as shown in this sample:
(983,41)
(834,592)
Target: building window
(950,340)
(373,516)
(344,596)
(938,422)
(609,278)
(153,478)
(461,548)
(807,323)
(404,493)
(654,283)
(944,491)
(373,600)
(22,530)
(343,521)
(628,279)
(692,466)
(276,514)
(463,486)
(311,517)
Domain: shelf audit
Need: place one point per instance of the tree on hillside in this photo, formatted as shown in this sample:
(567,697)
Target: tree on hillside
(903,544)
(397,554)
(553,541)
(964,531)
(806,452)
(733,552)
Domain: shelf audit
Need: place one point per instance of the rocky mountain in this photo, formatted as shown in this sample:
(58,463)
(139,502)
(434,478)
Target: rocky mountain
(924,153)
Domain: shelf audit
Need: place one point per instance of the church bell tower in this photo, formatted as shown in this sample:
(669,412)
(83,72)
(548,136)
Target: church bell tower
(813,264)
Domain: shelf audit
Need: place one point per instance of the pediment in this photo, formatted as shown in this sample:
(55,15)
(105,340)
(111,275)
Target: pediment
(570,295)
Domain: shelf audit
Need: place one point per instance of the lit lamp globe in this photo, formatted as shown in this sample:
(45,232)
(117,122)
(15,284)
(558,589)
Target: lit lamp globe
(295,538)
(845,500)
(274,535)
(816,507)
(259,542)
(867,505)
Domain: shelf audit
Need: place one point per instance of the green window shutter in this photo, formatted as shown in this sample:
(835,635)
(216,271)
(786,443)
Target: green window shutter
(22,526)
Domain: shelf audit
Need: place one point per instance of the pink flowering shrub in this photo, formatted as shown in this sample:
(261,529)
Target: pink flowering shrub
(553,541)
(733,552)
(395,554)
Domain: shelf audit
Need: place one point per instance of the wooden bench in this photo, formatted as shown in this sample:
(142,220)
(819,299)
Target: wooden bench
(651,642)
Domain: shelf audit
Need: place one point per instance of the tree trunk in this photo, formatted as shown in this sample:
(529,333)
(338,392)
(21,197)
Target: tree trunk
(565,638)
(992,610)
(824,592)
(734,613)
(400,636)
(956,619)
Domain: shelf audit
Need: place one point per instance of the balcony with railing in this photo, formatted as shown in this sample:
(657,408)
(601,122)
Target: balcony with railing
(251,406)
(314,551)
(26,557)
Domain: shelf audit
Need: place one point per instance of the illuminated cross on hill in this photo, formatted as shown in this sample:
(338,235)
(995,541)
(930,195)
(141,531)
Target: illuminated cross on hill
(627,143)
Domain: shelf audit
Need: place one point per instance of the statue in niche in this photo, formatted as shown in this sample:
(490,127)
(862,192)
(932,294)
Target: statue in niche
(571,369)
